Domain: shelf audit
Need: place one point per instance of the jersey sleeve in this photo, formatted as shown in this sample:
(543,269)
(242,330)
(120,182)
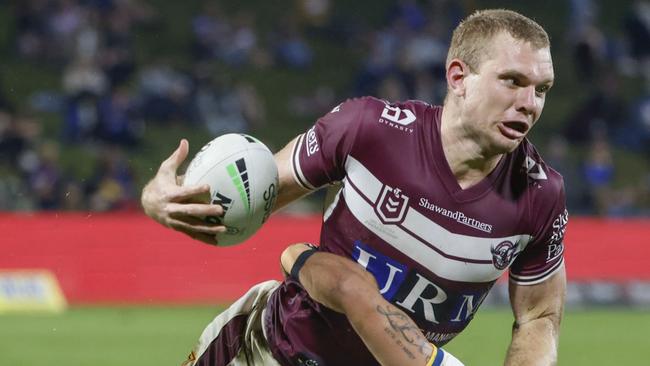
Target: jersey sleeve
(318,156)
(545,254)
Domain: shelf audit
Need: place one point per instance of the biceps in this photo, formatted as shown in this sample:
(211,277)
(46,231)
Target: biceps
(543,300)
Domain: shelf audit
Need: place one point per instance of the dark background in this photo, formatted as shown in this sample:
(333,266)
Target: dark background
(95,93)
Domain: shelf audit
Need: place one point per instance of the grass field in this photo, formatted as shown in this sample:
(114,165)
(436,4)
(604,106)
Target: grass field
(102,336)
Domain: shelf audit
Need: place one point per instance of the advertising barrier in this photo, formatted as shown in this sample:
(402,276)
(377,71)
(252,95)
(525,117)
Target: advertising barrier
(128,258)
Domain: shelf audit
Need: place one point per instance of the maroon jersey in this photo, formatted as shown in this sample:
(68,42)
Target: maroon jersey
(435,249)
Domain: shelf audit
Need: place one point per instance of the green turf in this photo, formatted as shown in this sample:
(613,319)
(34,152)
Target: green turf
(163,336)
(102,336)
(588,338)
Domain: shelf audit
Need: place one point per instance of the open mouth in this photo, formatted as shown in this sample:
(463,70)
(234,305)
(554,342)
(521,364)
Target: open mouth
(521,127)
(513,129)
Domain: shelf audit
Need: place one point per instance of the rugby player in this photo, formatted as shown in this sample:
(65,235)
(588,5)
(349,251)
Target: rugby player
(436,203)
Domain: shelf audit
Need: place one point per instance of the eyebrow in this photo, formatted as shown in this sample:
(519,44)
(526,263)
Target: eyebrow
(519,75)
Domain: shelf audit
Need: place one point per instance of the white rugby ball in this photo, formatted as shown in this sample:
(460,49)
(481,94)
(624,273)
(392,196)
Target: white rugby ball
(243,179)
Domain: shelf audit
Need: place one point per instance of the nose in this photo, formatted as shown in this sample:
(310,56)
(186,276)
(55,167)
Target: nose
(527,101)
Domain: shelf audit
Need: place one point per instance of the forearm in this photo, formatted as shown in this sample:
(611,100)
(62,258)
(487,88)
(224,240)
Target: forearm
(342,285)
(391,336)
(534,343)
(538,313)
(288,189)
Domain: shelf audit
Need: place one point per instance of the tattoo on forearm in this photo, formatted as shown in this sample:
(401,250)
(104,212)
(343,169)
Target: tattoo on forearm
(403,331)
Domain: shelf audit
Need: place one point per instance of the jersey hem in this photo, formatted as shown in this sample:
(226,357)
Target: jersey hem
(533,280)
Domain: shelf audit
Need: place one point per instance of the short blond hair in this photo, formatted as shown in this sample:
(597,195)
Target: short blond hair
(471,39)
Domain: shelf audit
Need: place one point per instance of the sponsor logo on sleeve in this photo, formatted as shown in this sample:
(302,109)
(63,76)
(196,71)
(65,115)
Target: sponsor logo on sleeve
(312,142)
(555,245)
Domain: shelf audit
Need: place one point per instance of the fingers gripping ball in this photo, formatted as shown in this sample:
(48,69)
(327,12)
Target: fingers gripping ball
(243,179)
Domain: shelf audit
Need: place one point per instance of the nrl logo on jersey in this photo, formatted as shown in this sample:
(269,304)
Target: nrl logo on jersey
(397,118)
(392,205)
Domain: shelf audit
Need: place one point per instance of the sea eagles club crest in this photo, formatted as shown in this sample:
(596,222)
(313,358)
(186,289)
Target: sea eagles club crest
(502,254)
(391,205)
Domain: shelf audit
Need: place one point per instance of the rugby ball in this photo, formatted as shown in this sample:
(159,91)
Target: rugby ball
(243,179)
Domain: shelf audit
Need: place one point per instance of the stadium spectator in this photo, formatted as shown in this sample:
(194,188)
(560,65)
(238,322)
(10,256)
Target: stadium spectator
(598,171)
(45,177)
(64,23)
(381,57)
(291,48)
(637,28)
(13,141)
(588,42)
(210,30)
(117,121)
(74,198)
(164,92)
(31,28)
(113,185)
(315,13)
(635,134)
(602,113)
(242,42)
(314,104)
(412,48)
(558,155)
(420,186)
(392,87)
(81,118)
(84,75)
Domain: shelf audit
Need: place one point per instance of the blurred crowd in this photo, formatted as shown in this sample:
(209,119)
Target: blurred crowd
(108,94)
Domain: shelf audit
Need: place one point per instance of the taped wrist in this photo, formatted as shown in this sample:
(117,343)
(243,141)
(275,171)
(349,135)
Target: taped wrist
(300,261)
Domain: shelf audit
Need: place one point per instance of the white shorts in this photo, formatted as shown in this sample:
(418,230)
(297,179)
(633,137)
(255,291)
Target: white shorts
(236,336)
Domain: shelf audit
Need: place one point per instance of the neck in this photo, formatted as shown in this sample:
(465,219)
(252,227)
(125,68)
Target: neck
(469,161)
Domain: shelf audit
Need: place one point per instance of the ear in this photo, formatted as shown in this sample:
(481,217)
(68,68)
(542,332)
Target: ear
(457,70)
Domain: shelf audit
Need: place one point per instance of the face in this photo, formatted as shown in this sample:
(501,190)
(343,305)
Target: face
(505,97)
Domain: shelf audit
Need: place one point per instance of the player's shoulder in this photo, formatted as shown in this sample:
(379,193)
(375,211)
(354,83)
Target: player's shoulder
(373,106)
(385,117)
(537,173)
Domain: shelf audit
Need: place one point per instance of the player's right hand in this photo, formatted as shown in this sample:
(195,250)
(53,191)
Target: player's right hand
(170,203)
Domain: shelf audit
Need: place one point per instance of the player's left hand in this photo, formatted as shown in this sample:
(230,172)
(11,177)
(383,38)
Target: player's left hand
(170,203)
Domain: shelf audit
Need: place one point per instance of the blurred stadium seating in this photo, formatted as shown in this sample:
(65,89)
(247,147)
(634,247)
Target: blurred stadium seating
(93,94)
